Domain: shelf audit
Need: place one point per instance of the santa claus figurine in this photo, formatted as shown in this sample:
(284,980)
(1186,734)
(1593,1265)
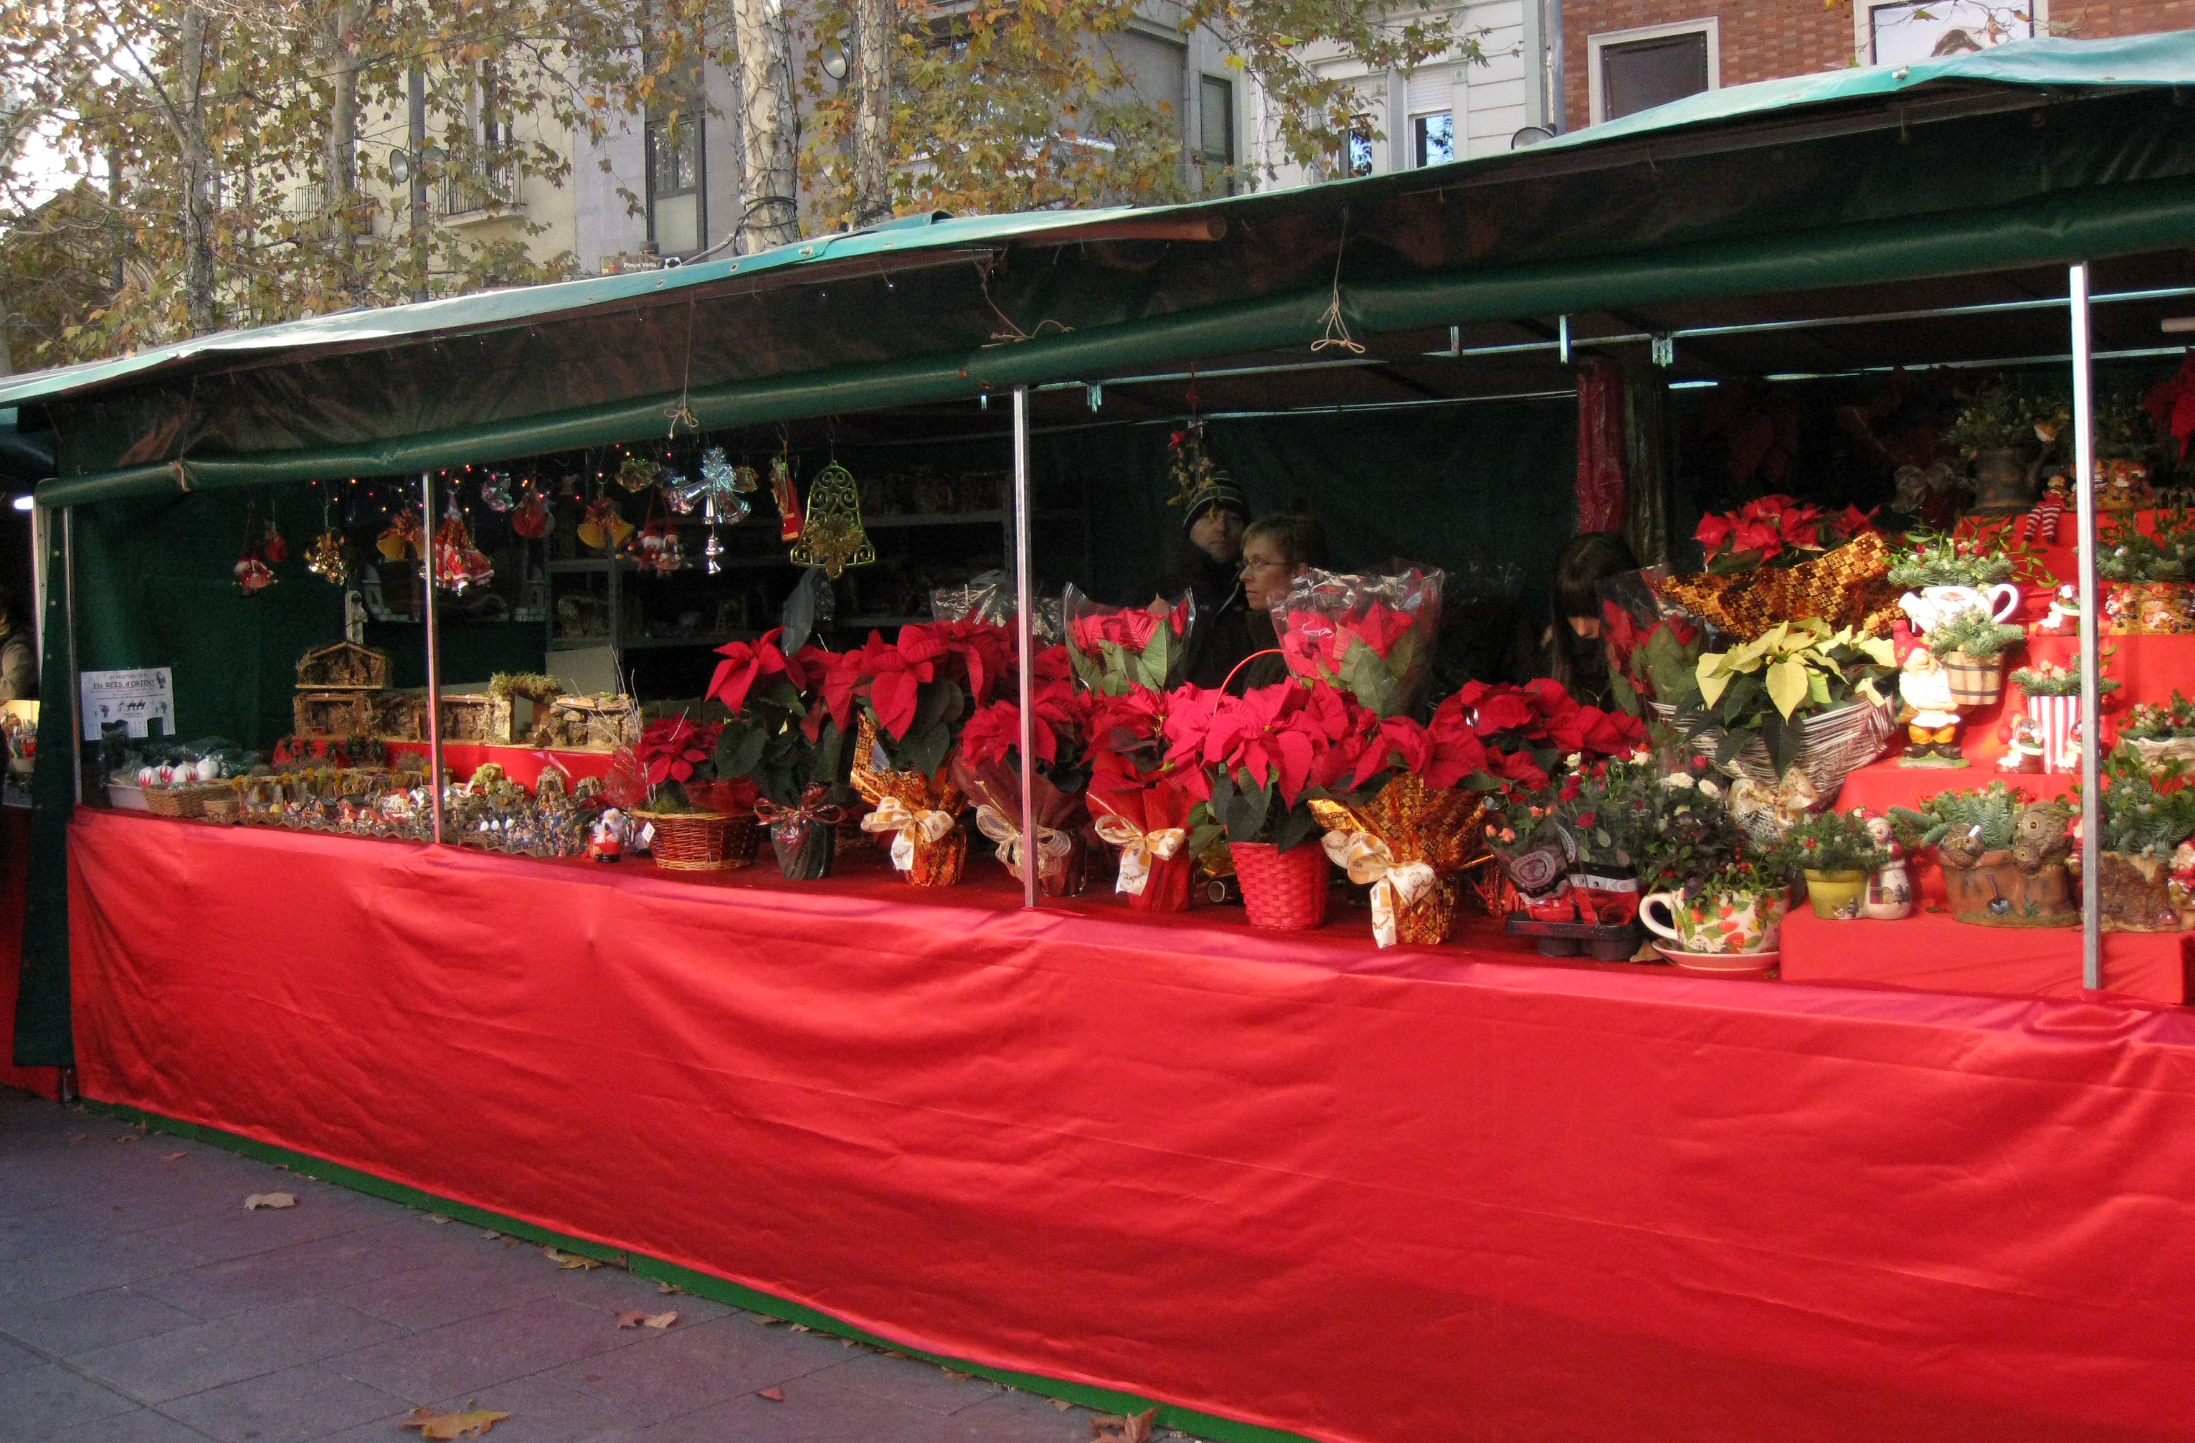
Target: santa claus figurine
(606,843)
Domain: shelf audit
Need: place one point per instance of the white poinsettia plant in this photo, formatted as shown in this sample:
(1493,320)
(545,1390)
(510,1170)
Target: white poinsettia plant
(1794,670)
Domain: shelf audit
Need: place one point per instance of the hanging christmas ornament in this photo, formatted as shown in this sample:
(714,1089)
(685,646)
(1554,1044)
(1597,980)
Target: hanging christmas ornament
(832,537)
(722,482)
(253,574)
(657,548)
(495,491)
(787,495)
(459,565)
(1189,465)
(532,518)
(273,546)
(402,538)
(325,558)
(603,528)
(637,474)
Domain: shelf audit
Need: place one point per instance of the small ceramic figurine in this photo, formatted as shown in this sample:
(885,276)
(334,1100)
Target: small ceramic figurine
(2040,526)
(2064,615)
(2023,748)
(1889,889)
(607,842)
(1931,715)
(2181,887)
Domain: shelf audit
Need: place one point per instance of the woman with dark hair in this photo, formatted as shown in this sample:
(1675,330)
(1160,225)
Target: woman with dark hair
(1275,551)
(1571,650)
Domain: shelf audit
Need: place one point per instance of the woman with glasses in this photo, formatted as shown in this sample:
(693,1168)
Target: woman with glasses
(1275,551)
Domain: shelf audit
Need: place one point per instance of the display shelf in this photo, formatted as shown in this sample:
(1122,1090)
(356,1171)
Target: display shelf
(707,639)
(1935,952)
(584,564)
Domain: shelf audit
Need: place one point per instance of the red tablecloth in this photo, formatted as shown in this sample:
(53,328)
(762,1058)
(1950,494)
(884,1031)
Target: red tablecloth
(1407,1196)
(1937,953)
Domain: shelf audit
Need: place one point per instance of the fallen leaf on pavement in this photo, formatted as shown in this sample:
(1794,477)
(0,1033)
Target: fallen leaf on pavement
(802,1328)
(1107,1428)
(436,1218)
(637,1319)
(79,1137)
(631,1320)
(775,1395)
(569,1261)
(260,1200)
(669,1288)
(171,1157)
(433,1423)
(1062,1404)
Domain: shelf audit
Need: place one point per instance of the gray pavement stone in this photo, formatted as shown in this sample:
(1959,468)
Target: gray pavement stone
(68,1327)
(244,1345)
(50,1401)
(291,1406)
(182,1319)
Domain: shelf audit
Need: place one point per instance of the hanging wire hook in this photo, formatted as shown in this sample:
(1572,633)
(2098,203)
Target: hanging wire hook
(1336,325)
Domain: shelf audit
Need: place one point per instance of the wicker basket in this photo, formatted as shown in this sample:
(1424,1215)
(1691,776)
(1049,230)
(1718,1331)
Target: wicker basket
(223,808)
(1834,745)
(1283,890)
(2164,749)
(690,841)
(185,800)
(742,839)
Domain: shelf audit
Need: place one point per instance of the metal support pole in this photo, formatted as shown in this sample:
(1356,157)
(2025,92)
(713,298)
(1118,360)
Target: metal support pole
(1025,642)
(76,688)
(2084,455)
(434,647)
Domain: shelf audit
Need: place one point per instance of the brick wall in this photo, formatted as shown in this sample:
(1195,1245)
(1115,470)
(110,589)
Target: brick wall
(1765,39)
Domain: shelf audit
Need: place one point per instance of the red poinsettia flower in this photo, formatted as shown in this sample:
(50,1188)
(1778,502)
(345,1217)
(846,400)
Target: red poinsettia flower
(674,748)
(746,664)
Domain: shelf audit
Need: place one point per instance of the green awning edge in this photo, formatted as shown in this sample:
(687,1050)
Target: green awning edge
(2083,225)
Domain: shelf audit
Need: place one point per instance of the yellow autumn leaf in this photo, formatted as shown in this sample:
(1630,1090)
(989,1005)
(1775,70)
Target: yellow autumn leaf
(433,1423)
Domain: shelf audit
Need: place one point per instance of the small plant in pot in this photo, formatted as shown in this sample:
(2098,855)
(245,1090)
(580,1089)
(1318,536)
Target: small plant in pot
(691,814)
(1972,646)
(1836,852)
(2003,855)
(1708,891)
(1256,761)
(782,739)
(1801,694)
(2001,430)
(1937,558)
(2147,862)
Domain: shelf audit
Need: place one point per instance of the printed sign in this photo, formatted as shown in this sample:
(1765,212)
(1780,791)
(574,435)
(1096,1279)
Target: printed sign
(132,698)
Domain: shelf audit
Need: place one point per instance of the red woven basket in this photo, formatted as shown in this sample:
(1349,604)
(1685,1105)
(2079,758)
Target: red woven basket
(1283,890)
(690,841)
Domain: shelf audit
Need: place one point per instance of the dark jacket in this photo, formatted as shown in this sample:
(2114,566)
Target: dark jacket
(1266,670)
(1221,636)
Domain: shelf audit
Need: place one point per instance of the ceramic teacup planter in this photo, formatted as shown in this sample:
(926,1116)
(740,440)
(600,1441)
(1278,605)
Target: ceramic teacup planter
(1715,922)
(1837,896)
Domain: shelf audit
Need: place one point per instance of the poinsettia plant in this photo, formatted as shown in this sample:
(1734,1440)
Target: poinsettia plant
(776,736)
(1776,531)
(1649,662)
(919,688)
(1526,730)
(1370,635)
(675,760)
(1257,759)
(1114,648)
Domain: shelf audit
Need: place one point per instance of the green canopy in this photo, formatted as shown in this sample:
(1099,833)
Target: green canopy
(2035,152)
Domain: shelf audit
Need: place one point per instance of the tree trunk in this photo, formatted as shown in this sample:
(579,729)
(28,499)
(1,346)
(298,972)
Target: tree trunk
(193,42)
(876,32)
(772,212)
(7,352)
(339,159)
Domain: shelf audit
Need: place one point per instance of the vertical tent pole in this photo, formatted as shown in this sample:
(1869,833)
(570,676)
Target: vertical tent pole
(76,687)
(2084,447)
(434,648)
(1025,641)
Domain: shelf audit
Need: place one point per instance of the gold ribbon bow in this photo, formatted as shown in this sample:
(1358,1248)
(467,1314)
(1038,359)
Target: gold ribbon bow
(1139,849)
(1053,845)
(1395,885)
(769,813)
(894,815)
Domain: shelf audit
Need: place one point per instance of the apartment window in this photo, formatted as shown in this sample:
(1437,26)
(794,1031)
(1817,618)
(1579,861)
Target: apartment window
(479,175)
(1433,138)
(1903,33)
(1359,159)
(1216,124)
(1635,70)
(675,219)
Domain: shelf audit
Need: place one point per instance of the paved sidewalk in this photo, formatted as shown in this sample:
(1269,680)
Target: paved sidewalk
(141,1303)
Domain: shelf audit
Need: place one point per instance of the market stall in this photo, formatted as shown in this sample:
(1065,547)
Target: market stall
(1087,1132)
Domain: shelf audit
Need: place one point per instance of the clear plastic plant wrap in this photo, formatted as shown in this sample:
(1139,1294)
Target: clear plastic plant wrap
(1370,634)
(989,596)
(1114,648)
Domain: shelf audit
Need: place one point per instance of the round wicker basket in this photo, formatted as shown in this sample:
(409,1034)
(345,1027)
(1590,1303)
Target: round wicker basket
(692,841)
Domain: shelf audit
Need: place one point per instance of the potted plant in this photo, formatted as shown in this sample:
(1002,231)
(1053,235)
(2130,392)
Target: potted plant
(1802,694)
(1778,531)
(1140,802)
(1372,635)
(1971,646)
(1938,558)
(781,737)
(2148,816)
(2003,855)
(1256,761)
(1835,851)
(1116,648)
(2161,732)
(2053,695)
(1998,428)
(988,766)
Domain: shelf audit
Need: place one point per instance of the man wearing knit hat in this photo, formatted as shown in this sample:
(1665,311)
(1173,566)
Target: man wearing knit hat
(1211,568)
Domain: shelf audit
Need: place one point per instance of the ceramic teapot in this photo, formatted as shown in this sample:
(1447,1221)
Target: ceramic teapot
(1933,604)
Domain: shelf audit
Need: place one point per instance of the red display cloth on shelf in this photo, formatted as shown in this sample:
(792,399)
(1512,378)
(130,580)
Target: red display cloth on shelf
(2149,668)
(1884,784)
(14,881)
(1426,1194)
(521,764)
(1935,952)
